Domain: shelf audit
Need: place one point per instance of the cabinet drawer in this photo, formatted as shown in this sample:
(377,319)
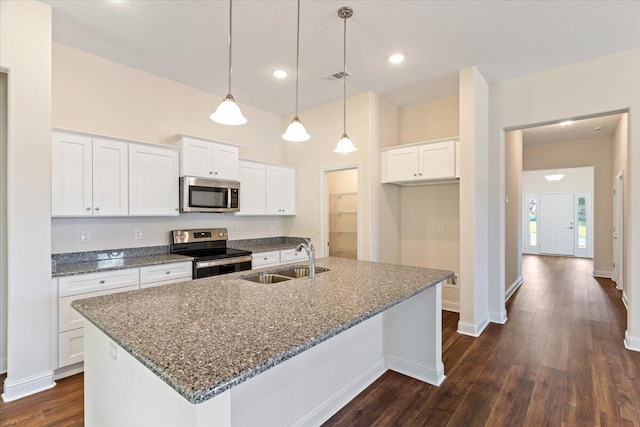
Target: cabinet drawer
(69,318)
(70,347)
(265,259)
(95,282)
(166,273)
(291,255)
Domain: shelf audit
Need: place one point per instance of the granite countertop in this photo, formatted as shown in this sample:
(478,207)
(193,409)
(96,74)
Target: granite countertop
(73,268)
(208,335)
(267,244)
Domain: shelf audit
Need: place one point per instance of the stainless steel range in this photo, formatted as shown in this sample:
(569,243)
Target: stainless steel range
(209,249)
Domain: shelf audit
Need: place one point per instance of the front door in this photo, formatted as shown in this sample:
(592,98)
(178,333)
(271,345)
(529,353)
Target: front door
(555,217)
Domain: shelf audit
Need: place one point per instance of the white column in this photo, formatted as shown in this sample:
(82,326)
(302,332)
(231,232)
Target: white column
(25,53)
(474,145)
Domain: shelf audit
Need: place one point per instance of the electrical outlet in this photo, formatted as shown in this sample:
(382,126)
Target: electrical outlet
(85,236)
(238,228)
(137,233)
(440,229)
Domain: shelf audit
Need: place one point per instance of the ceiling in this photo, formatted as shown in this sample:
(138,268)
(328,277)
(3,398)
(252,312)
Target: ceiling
(579,129)
(187,41)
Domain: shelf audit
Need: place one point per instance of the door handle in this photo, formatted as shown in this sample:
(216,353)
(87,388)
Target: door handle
(570,228)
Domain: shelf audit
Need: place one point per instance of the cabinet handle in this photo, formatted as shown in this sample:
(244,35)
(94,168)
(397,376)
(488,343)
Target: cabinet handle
(265,258)
(215,173)
(415,174)
(88,209)
(420,174)
(176,209)
(210,172)
(97,209)
(168,272)
(102,281)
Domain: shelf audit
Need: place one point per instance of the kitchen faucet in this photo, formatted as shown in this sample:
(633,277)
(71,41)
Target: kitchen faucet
(311,253)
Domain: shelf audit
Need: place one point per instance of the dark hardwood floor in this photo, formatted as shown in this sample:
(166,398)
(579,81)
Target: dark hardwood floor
(558,361)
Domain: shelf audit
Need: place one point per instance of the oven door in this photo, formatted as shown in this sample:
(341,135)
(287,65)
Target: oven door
(221,266)
(207,195)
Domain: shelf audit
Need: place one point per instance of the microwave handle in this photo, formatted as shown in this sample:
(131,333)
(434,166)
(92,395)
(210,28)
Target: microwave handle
(229,197)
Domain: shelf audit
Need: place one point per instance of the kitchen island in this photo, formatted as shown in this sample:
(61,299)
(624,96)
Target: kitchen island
(226,351)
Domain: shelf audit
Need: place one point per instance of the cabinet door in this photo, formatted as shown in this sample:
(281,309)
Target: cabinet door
(402,164)
(252,188)
(288,191)
(225,162)
(197,158)
(273,193)
(265,259)
(437,160)
(163,274)
(153,181)
(110,177)
(72,178)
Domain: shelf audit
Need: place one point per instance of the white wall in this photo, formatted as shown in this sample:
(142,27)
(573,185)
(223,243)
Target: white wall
(25,47)
(620,164)
(513,236)
(94,94)
(606,84)
(3,222)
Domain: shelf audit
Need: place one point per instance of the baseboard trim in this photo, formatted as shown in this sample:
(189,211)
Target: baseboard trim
(471,329)
(603,274)
(631,343)
(67,371)
(14,390)
(499,318)
(332,404)
(3,366)
(423,373)
(451,306)
(624,300)
(513,288)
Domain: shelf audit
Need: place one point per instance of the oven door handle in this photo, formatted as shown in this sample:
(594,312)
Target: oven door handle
(224,261)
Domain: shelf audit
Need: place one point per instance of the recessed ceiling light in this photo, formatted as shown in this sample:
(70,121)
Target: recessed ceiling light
(566,123)
(280,74)
(598,128)
(396,58)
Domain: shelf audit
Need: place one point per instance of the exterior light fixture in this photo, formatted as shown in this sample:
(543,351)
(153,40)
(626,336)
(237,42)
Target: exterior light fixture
(228,112)
(296,131)
(345,145)
(554,177)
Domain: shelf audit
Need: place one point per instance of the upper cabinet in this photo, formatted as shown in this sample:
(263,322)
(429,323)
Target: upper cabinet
(97,176)
(267,189)
(89,176)
(153,181)
(207,159)
(421,163)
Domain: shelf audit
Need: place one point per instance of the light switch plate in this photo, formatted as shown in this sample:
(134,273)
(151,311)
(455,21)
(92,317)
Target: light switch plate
(137,233)
(85,236)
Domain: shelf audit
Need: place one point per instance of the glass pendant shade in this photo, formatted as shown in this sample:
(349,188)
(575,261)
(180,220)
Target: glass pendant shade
(345,145)
(554,177)
(228,113)
(296,131)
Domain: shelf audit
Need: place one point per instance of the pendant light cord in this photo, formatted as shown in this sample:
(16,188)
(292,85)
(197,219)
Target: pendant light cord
(297,55)
(344,78)
(230,44)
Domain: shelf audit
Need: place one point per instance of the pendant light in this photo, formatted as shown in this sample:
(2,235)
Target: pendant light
(296,131)
(345,145)
(228,112)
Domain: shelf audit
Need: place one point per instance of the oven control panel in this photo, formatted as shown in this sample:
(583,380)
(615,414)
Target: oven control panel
(200,235)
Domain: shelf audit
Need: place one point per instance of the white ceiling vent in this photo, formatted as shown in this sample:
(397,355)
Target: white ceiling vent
(337,76)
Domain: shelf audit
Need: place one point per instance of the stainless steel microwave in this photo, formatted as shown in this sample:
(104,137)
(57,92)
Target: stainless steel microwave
(208,195)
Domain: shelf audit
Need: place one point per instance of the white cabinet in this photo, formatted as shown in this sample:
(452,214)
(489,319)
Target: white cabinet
(273,258)
(252,188)
(207,159)
(89,176)
(153,180)
(280,190)
(265,259)
(164,274)
(267,189)
(421,162)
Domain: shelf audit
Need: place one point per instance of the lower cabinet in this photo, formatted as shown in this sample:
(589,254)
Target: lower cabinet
(273,258)
(70,328)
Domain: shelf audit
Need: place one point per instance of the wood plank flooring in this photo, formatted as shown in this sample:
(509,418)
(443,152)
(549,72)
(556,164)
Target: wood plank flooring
(558,361)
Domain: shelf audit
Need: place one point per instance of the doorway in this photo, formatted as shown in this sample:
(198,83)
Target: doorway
(342,213)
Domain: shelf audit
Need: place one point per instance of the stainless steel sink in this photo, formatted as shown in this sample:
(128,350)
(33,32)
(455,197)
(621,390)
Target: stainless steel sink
(299,271)
(266,278)
(282,275)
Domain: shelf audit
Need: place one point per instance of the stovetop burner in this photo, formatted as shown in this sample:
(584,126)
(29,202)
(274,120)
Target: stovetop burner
(214,253)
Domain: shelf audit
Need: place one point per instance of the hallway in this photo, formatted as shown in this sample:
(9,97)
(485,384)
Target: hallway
(559,360)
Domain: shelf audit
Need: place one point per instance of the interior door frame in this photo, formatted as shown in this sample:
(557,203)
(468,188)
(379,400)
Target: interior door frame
(324,206)
(618,211)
